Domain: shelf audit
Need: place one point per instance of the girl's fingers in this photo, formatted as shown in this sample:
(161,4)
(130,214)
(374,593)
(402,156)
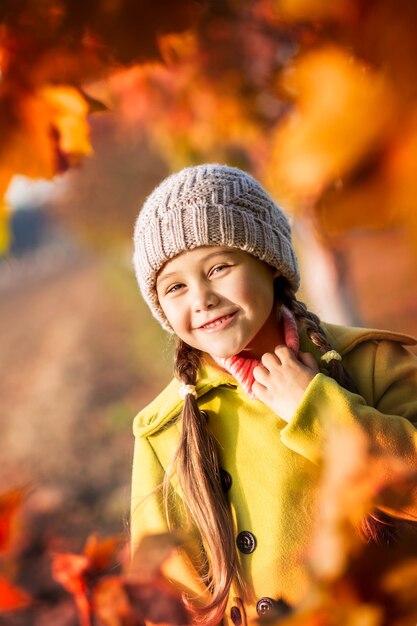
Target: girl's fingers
(269,360)
(283,352)
(260,374)
(258,389)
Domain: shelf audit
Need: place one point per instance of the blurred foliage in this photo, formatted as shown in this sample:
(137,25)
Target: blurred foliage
(317,99)
(354,583)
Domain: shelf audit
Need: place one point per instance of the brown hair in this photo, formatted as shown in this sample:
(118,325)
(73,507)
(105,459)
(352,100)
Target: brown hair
(197,468)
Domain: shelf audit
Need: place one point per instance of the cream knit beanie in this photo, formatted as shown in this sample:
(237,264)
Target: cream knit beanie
(209,205)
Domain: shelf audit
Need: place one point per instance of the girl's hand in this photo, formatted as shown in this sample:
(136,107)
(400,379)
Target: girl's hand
(281,380)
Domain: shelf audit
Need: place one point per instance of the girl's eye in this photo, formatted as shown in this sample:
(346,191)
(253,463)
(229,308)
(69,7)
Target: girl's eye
(218,268)
(174,288)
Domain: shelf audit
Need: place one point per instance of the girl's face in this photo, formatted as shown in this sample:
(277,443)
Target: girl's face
(220,300)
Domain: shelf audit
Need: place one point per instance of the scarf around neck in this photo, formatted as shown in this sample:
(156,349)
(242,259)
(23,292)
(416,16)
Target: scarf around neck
(241,368)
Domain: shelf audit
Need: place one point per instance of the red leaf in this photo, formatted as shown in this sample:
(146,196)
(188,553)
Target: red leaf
(12,598)
(10,504)
(69,570)
(101,552)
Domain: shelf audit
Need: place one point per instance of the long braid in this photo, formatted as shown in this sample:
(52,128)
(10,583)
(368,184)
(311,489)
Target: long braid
(197,468)
(377,526)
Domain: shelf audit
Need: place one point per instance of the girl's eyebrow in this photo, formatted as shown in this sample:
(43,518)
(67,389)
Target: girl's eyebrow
(205,258)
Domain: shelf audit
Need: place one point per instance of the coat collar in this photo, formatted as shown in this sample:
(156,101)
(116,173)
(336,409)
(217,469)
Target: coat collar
(168,403)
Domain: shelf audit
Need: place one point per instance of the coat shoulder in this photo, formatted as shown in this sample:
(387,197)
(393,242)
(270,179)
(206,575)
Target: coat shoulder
(159,412)
(345,338)
(168,404)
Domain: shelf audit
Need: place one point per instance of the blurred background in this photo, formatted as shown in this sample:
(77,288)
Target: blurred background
(99,101)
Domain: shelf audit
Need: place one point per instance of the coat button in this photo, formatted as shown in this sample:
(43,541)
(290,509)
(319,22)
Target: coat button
(264,605)
(225,479)
(280,607)
(236,616)
(246,542)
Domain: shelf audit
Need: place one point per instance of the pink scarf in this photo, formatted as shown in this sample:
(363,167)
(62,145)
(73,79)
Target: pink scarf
(241,368)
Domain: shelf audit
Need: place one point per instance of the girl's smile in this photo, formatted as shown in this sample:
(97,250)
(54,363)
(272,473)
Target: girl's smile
(218,323)
(220,300)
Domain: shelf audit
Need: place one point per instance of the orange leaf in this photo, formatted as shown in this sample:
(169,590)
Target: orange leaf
(334,126)
(316,10)
(12,598)
(69,570)
(101,552)
(68,114)
(110,602)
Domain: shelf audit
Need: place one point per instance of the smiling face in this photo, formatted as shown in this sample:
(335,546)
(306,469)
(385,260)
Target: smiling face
(220,301)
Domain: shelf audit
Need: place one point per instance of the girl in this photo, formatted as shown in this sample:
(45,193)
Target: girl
(236,438)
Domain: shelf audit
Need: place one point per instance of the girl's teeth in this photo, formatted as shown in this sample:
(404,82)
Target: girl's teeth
(217,322)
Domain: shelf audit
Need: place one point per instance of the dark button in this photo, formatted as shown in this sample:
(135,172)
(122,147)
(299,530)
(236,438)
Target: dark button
(246,542)
(279,607)
(225,479)
(236,616)
(264,605)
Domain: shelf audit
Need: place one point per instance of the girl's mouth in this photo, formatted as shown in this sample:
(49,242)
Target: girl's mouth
(219,323)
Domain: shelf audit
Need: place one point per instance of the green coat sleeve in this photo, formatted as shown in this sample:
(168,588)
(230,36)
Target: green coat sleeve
(386,374)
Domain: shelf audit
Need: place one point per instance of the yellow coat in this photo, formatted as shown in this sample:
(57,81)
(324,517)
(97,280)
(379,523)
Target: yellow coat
(274,466)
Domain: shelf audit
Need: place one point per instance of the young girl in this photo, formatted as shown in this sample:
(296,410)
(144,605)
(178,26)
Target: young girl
(236,439)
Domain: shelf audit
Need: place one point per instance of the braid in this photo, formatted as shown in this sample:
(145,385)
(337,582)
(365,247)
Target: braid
(317,336)
(377,526)
(197,468)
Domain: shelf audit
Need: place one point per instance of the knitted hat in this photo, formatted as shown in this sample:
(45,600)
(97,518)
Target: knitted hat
(209,205)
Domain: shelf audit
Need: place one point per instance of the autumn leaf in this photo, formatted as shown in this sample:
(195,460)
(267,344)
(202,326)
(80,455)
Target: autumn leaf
(316,10)
(152,552)
(101,553)
(67,113)
(12,598)
(151,596)
(70,571)
(10,505)
(77,572)
(331,128)
(111,603)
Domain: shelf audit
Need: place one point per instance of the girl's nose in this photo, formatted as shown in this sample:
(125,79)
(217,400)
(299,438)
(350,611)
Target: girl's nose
(204,298)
